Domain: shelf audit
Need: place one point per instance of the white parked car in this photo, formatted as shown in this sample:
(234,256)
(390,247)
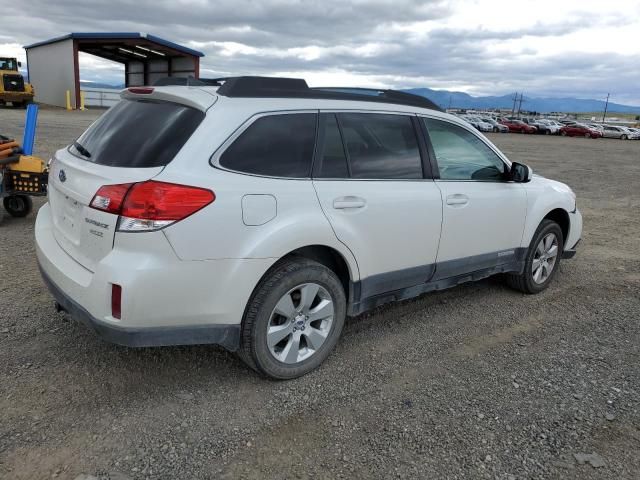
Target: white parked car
(552,127)
(614,131)
(479,123)
(258,214)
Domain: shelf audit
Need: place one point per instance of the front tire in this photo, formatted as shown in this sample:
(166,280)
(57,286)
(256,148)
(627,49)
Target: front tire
(623,137)
(18,205)
(543,258)
(293,320)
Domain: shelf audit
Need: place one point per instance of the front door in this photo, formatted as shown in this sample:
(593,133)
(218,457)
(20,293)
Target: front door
(483,213)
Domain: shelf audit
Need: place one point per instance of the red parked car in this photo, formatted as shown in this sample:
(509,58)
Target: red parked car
(518,126)
(579,130)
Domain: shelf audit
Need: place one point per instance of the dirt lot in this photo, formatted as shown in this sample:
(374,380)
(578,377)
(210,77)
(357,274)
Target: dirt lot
(474,382)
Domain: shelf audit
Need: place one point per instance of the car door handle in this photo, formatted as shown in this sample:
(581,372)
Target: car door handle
(457,199)
(342,203)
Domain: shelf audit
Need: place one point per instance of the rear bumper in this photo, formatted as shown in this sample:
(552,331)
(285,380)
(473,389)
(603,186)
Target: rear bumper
(16,96)
(227,336)
(165,301)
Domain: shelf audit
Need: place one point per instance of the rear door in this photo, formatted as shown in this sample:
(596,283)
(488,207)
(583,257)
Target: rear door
(483,213)
(131,142)
(378,196)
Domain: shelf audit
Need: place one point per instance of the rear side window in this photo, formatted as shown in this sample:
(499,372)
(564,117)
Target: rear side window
(138,134)
(381,146)
(274,146)
(331,157)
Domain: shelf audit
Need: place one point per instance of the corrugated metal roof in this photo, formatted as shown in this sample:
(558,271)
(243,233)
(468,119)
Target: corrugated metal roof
(118,36)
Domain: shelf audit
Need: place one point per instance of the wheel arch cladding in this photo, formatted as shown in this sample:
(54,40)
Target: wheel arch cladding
(561,217)
(323,254)
(330,258)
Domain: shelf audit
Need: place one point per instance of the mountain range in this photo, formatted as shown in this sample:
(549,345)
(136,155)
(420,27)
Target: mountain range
(447,99)
(450,99)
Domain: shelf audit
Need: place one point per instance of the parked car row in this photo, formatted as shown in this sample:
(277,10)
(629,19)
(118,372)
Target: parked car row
(546,126)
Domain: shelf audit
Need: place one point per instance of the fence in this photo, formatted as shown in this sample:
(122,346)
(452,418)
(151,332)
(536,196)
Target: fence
(101,97)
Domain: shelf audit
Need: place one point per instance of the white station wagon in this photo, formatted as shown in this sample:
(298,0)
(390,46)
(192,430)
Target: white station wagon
(257,213)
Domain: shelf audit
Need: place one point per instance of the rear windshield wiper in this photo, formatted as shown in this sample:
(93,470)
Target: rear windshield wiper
(83,151)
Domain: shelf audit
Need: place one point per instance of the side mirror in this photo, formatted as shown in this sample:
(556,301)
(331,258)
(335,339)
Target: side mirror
(19,64)
(520,173)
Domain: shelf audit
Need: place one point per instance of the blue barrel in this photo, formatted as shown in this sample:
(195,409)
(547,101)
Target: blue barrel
(30,129)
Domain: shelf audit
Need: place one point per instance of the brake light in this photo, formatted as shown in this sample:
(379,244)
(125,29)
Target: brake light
(150,205)
(140,90)
(116,301)
(109,198)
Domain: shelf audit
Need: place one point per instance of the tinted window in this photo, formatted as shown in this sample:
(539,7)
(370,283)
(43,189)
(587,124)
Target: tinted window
(461,155)
(331,157)
(138,134)
(381,146)
(275,146)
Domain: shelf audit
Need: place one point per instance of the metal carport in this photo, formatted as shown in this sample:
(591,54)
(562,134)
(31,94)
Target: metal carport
(53,65)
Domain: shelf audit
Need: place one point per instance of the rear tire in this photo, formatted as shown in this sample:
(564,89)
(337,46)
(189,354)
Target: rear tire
(287,329)
(18,205)
(540,267)
(564,134)
(623,137)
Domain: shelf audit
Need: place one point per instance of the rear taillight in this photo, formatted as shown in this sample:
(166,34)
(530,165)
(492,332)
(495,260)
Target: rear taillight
(150,205)
(109,198)
(116,301)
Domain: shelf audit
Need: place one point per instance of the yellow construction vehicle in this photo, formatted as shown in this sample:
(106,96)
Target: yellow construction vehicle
(13,88)
(22,175)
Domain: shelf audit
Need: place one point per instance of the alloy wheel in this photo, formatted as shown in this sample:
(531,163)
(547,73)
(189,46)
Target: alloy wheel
(300,323)
(544,258)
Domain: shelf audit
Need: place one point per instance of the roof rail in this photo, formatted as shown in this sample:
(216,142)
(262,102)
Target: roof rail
(274,87)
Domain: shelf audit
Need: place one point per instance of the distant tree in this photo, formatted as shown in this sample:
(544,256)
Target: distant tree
(637,117)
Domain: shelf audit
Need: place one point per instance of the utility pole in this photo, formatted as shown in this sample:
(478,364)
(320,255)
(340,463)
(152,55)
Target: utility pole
(515,99)
(520,104)
(449,103)
(605,108)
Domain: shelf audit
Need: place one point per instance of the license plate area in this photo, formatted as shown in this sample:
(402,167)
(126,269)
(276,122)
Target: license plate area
(67,214)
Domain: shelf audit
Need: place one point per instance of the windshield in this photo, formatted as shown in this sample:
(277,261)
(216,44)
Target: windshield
(8,64)
(138,134)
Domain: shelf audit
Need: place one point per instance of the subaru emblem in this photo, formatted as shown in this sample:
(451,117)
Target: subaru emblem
(62,176)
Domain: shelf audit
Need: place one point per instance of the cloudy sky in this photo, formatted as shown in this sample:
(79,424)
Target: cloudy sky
(578,48)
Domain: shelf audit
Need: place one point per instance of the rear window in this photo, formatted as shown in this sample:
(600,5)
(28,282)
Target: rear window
(274,146)
(138,134)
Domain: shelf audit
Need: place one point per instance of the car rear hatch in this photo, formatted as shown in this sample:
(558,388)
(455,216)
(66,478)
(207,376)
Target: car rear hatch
(130,143)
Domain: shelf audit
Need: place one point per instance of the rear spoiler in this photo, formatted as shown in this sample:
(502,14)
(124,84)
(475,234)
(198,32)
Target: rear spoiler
(189,96)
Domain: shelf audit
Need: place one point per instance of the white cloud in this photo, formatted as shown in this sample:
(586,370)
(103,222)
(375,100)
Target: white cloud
(582,48)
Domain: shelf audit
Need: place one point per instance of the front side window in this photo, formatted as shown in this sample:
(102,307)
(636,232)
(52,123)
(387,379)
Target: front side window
(461,155)
(381,146)
(274,146)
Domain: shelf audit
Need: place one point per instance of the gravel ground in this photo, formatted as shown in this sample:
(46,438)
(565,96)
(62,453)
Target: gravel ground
(475,382)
